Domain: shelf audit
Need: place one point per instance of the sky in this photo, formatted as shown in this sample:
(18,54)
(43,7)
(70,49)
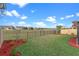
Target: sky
(45,15)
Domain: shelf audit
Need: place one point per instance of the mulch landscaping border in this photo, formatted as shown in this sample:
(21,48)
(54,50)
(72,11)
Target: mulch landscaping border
(72,42)
(9,45)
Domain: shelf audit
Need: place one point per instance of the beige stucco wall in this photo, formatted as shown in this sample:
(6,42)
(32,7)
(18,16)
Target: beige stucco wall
(69,31)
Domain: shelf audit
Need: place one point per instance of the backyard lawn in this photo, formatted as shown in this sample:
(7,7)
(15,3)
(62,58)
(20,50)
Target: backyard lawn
(48,45)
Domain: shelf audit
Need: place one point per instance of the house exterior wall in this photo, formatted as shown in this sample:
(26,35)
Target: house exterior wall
(69,31)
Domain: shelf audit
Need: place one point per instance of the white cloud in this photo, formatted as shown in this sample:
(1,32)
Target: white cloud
(51,19)
(22,23)
(69,16)
(66,17)
(24,17)
(21,3)
(77,14)
(12,13)
(62,18)
(61,24)
(40,24)
(32,11)
(8,13)
(54,16)
(15,13)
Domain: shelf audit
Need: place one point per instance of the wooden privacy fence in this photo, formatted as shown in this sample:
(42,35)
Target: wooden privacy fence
(25,34)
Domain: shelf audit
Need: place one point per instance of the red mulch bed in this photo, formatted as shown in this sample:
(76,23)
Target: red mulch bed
(8,45)
(72,42)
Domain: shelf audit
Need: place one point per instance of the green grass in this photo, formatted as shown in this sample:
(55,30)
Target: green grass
(48,45)
(44,45)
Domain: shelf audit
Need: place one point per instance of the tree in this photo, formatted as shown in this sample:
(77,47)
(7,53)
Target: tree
(31,28)
(58,29)
(25,28)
